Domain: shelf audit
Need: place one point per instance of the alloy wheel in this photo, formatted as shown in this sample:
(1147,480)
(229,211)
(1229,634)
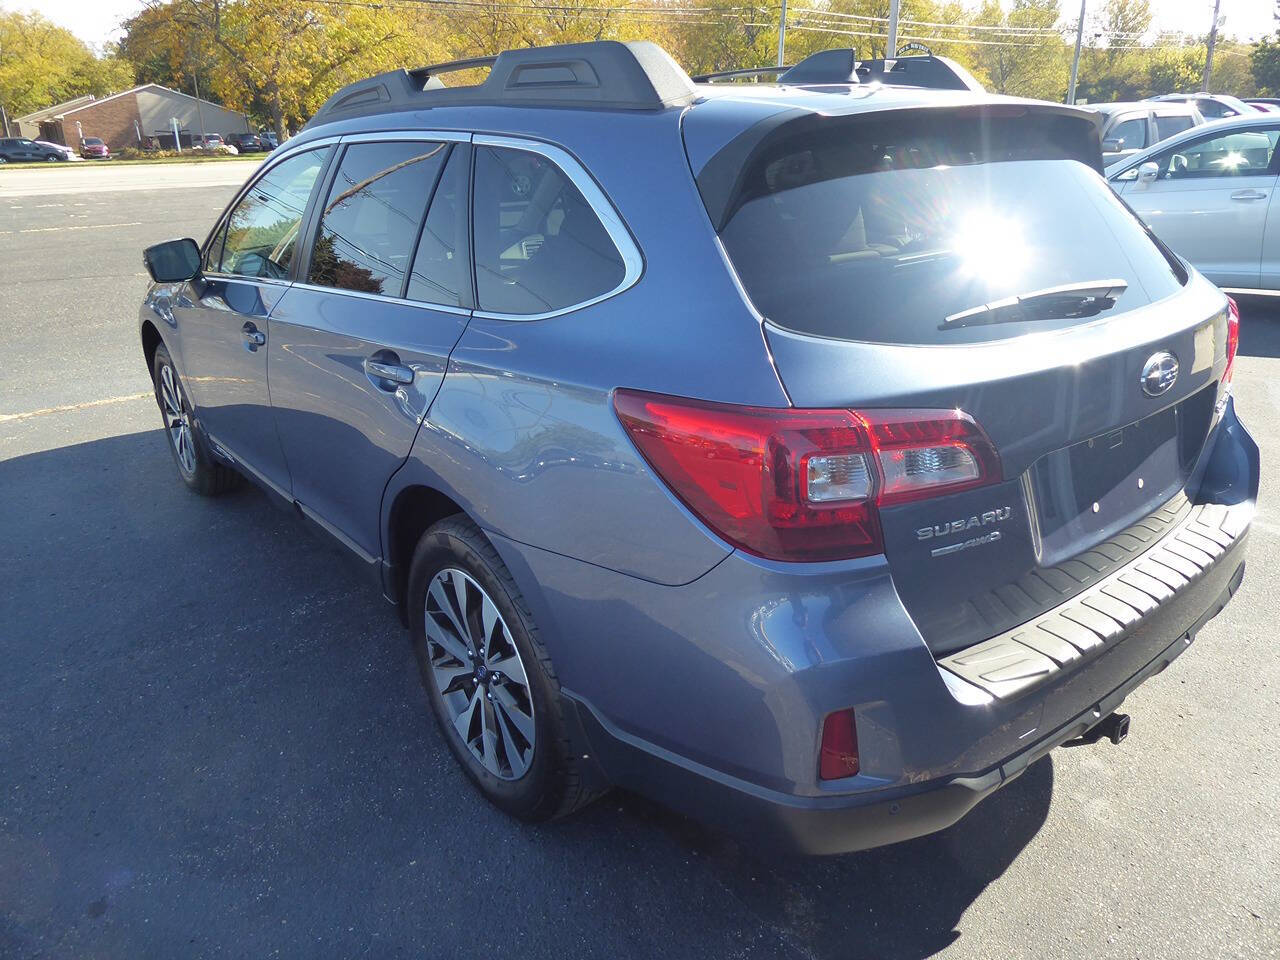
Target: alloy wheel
(478,671)
(177,420)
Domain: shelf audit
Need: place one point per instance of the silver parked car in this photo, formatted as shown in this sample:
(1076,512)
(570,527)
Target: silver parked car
(1207,194)
(1128,128)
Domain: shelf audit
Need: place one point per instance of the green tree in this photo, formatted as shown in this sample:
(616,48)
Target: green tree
(42,64)
(1264,64)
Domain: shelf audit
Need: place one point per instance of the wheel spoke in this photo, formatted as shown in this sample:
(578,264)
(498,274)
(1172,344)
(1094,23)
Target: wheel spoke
(514,712)
(489,739)
(452,645)
(511,668)
(451,679)
(488,618)
(458,584)
(515,758)
(462,722)
(445,604)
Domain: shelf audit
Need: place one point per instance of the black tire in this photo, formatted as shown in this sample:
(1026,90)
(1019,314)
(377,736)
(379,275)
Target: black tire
(201,472)
(554,785)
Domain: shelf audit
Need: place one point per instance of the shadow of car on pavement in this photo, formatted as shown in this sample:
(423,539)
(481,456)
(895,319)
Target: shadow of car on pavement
(199,696)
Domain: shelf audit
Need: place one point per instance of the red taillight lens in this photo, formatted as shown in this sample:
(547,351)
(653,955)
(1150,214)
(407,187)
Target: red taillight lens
(794,484)
(747,471)
(1233,340)
(839,756)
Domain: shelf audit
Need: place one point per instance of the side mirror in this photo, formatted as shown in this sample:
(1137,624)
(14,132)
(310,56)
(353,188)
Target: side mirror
(172,261)
(1112,146)
(1148,172)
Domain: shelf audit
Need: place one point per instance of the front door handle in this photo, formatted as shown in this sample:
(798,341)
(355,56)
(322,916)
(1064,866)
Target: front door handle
(253,337)
(1249,195)
(382,370)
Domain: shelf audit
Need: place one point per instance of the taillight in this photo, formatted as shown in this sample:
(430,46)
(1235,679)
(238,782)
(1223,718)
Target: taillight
(792,484)
(1233,340)
(839,754)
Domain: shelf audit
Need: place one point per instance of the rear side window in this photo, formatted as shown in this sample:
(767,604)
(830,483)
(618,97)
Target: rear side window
(370,219)
(539,247)
(1168,126)
(262,230)
(441,269)
(878,229)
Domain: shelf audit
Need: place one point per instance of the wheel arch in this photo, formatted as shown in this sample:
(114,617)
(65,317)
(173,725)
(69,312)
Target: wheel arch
(151,341)
(413,510)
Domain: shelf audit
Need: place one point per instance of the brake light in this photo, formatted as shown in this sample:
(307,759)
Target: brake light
(791,484)
(839,755)
(1233,340)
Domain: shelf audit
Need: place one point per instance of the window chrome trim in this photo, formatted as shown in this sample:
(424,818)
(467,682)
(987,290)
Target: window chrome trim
(384,298)
(273,160)
(610,219)
(392,136)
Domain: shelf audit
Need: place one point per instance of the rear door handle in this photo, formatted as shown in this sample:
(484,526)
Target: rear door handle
(1249,195)
(395,372)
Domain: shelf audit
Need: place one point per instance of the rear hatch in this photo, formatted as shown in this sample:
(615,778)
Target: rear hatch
(886,254)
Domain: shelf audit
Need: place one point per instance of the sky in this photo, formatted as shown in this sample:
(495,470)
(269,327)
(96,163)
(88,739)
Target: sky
(98,21)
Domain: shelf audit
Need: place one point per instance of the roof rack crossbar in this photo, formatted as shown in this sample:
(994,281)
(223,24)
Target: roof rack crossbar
(731,74)
(422,74)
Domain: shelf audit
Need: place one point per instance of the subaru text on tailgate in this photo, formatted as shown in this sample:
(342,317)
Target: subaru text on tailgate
(810,457)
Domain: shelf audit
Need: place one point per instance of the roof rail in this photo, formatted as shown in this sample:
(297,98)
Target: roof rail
(843,66)
(604,74)
(734,74)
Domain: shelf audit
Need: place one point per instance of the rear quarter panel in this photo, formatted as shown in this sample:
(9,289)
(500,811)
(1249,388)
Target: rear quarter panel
(523,434)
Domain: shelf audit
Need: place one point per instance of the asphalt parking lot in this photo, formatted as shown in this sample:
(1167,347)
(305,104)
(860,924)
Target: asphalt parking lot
(213,742)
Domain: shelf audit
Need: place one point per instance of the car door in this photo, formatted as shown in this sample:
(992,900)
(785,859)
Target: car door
(1210,198)
(359,347)
(222,314)
(1125,135)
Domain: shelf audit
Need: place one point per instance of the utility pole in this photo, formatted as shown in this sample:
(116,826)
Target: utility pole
(199,111)
(4,122)
(782,35)
(1213,39)
(1075,60)
(891,45)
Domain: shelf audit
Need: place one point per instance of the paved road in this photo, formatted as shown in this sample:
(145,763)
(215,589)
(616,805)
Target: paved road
(92,176)
(212,741)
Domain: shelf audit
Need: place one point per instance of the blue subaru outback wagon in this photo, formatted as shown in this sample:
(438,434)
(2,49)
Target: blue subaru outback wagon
(810,456)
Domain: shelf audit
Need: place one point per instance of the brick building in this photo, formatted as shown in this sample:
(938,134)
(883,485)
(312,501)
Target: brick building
(131,119)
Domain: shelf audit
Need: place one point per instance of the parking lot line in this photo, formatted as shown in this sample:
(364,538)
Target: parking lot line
(68,407)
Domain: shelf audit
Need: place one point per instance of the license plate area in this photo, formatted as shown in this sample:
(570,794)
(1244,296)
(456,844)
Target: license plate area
(1084,493)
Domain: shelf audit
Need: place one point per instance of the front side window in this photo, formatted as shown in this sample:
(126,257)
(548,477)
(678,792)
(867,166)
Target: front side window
(539,246)
(1130,134)
(262,231)
(1240,153)
(371,217)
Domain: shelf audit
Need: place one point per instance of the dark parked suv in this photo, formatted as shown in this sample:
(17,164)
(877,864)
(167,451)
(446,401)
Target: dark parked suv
(22,150)
(811,458)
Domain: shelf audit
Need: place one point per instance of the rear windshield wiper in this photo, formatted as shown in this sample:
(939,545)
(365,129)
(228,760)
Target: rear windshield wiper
(1066,302)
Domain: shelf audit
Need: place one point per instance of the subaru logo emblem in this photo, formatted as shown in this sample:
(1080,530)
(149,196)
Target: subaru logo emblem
(1159,373)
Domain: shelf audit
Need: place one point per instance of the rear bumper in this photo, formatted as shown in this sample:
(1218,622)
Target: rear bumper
(840,824)
(709,696)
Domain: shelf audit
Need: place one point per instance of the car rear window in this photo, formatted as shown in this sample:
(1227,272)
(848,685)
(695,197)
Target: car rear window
(878,229)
